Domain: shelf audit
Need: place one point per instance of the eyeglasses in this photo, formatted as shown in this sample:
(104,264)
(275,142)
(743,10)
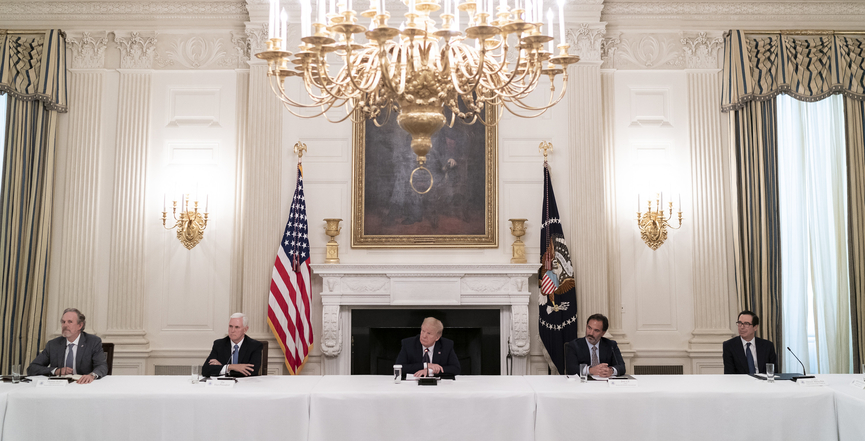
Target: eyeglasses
(743,324)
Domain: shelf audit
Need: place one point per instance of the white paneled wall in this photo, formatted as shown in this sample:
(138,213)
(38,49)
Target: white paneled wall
(176,120)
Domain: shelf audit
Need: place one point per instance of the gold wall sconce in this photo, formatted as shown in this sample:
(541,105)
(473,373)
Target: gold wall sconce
(518,229)
(653,224)
(190,224)
(332,229)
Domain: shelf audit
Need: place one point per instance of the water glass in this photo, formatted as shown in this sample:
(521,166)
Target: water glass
(397,373)
(16,373)
(196,370)
(584,373)
(770,372)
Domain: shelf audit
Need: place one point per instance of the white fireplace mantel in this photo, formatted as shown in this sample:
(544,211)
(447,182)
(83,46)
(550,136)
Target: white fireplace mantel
(347,286)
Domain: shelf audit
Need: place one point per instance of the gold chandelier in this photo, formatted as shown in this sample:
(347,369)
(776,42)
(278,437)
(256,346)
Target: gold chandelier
(418,70)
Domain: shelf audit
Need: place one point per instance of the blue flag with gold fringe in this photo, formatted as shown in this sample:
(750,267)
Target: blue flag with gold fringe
(557,304)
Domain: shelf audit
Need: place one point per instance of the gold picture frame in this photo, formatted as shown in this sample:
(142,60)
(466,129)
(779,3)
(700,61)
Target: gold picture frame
(461,209)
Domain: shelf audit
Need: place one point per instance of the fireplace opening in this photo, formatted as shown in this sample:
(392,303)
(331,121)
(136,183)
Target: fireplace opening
(376,335)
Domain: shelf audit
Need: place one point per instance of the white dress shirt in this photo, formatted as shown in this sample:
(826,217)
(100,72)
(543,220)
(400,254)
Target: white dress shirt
(66,355)
(239,344)
(588,366)
(753,350)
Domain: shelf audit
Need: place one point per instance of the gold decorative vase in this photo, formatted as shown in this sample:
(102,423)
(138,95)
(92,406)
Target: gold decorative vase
(332,229)
(518,229)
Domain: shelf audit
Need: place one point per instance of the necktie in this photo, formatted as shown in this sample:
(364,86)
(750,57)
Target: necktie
(70,357)
(426,358)
(750,358)
(595,361)
(234,355)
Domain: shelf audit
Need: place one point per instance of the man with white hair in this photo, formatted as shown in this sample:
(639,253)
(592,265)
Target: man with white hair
(235,355)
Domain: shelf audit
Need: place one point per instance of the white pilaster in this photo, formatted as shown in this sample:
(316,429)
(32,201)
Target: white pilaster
(588,221)
(126,292)
(711,283)
(78,272)
(263,222)
(241,44)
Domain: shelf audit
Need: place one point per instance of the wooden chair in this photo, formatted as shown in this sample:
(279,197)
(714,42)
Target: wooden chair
(109,355)
(263,367)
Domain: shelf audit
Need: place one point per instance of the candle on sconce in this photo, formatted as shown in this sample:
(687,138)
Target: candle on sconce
(561,21)
(284,35)
(321,18)
(661,205)
(206,203)
(638,203)
(680,202)
(550,33)
(411,7)
(332,8)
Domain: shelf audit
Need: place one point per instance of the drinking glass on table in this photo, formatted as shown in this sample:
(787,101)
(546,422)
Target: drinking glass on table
(16,373)
(584,373)
(770,372)
(196,370)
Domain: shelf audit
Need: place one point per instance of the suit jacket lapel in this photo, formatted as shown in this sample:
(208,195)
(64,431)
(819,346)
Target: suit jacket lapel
(79,356)
(437,351)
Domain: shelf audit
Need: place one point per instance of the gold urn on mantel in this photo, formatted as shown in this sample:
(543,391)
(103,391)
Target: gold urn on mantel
(518,229)
(332,229)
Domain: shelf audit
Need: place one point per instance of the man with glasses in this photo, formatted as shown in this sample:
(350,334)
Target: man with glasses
(748,354)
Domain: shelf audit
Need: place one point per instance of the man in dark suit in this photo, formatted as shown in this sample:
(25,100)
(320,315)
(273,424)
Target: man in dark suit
(747,354)
(430,348)
(75,352)
(601,355)
(236,355)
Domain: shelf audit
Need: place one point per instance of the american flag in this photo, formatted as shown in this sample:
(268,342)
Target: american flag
(289,302)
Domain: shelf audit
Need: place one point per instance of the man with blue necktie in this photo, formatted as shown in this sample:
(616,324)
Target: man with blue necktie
(236,355)
(75,352)
(748,354)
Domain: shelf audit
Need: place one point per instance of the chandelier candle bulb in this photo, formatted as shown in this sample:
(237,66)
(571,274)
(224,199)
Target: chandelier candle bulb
(284,34)
(456,15)
(164,205)
(562,21)
(206,203)
(332,8)
(680,202)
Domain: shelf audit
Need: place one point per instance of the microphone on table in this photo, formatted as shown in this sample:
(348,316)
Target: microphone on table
(230,357)
(804,374)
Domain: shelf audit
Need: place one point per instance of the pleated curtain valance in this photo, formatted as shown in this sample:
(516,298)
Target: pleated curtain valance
(808,69)
(33,68)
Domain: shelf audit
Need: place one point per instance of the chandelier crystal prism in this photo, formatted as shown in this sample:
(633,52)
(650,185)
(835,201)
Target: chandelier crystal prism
(420,69)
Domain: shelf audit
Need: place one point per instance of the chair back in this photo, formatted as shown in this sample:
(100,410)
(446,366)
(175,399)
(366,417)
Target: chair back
(263,368)
(108,348)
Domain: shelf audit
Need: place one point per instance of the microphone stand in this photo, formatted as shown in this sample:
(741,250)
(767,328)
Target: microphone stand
(804,374)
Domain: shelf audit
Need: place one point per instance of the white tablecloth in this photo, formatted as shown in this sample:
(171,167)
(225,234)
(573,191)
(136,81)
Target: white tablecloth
(849,406)
(469,408)
(5,388)
(691,407)
(161,408)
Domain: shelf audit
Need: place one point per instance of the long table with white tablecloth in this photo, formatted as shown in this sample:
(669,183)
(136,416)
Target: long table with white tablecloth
(473,408)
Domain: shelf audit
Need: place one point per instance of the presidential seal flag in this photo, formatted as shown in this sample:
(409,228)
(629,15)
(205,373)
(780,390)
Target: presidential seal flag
(557,304)
(289,303)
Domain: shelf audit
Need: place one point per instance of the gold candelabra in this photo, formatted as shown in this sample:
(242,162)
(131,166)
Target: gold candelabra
(653,224)
(190,224)
(419,70)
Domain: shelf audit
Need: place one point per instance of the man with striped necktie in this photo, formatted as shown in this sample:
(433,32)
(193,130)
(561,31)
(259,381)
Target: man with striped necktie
(600,354)
(428,347)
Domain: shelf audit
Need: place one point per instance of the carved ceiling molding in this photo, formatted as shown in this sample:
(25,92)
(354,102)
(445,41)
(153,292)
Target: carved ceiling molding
(585,41)
(88,49)
(137,51)
(636,51)
(750,11)
(121,11)
(202,52)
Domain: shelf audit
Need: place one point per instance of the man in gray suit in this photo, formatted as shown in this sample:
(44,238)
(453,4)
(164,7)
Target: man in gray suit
(75,353)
